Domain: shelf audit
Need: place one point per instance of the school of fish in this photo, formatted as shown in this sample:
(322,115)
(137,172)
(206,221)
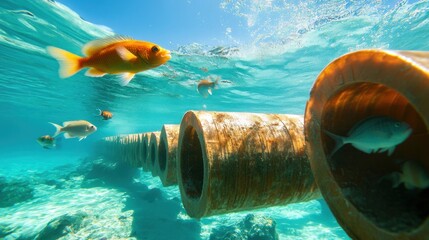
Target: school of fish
(112,55)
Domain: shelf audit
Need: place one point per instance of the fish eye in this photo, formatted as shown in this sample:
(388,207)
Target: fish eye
(155,49)
(397,124)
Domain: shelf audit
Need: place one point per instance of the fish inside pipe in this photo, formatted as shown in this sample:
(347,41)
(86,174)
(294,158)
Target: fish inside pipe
(374,134)
(412,175)
(114,55)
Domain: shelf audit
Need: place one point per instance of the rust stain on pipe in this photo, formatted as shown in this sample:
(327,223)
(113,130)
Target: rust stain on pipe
(354,87)
(230,162)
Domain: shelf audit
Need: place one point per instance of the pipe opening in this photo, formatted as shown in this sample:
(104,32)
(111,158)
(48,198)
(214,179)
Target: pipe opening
(191,164)
(144,152)
(152,155)
(162,154)
(380,186)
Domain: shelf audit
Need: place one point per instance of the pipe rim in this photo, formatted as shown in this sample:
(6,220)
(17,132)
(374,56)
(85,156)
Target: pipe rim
(321,93)
(194,204)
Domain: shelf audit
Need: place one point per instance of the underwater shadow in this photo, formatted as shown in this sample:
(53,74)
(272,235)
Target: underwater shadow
(155,217)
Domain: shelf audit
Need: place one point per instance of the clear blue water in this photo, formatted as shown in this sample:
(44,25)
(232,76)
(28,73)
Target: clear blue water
(274,73)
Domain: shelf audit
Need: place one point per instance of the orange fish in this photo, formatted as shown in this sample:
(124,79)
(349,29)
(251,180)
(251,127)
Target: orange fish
(115,55)
(205,86)
(105,114)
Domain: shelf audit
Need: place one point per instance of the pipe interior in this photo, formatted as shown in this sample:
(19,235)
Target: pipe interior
(191,164)
(152,155)
(367,180)
(144,151)
(162,154)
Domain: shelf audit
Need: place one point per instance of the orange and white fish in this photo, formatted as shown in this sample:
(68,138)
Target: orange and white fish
(115,55)
(106,115)
(205,87)
(46,141)
(71,129)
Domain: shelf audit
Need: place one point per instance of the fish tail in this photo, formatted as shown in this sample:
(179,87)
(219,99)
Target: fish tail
(99,111)
(339,142)
(58,129)
(69,62)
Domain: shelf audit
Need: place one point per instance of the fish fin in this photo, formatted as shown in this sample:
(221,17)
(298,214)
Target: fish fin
(367,150)
(126,78)
(93,72)
(96,45)
(69,62)
(339,142)
(58,129)
(390,150)
(80,139)
(68,135)
(67,123)
(125,54)
(210,91)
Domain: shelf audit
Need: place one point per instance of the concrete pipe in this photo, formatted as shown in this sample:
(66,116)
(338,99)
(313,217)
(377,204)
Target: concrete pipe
(135,143)
(167,154)
(378,195)
(139,150)
(152,159)
(229,162)
(145,152)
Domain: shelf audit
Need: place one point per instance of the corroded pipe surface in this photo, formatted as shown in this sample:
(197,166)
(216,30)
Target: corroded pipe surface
(152,159)
(167,154)
(239,161)
(357,186)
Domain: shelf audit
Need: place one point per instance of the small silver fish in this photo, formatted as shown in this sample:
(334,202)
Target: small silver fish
(205,87)
(80,129)
(46,141)
(412,175)
(374,134)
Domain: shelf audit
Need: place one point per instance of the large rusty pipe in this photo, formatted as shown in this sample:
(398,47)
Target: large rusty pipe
(152,159)
(230,162)
(167,154)
(357,186)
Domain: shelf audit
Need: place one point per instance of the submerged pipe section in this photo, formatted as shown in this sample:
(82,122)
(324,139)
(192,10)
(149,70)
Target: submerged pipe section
(167,154)
(145,152)
(131,149)
(373,195)
(152,159)
(229,162)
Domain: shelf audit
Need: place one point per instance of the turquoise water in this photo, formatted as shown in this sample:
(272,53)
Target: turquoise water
(274,73)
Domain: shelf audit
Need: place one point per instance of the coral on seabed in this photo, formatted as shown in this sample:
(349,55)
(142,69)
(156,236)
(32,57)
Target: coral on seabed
(62,225)
(250,228)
